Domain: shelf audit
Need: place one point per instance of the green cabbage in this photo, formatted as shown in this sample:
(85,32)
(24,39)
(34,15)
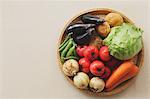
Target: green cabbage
(124,41)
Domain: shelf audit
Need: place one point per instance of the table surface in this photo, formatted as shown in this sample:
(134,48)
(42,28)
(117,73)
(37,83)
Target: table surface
(29,34)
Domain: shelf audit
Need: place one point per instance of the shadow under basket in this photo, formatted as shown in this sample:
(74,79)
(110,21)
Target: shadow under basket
(100,12)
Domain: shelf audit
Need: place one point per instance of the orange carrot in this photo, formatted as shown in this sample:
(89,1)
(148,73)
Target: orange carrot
(121,71)
(133,72)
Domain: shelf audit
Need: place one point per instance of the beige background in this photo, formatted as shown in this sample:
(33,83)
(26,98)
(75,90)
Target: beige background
(29,35)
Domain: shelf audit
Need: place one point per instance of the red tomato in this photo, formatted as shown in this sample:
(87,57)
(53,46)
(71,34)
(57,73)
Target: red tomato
(106,73)
(104,53)
(91,52)
(85,64)
(80,50)
(97,68)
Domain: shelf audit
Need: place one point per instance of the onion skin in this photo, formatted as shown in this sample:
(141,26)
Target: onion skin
(81,80)
(97,84)
(70,67)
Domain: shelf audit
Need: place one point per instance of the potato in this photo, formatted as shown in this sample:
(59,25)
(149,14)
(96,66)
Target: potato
(96,41)
(114,19)
(103,29)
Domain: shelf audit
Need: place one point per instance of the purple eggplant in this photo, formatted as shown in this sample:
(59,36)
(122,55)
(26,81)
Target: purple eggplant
(90,19)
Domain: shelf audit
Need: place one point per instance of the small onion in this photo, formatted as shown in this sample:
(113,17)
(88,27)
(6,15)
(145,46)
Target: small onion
(70,67)
(81,80)
(97,84)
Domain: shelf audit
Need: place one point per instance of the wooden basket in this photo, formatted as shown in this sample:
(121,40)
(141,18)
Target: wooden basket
(103,12)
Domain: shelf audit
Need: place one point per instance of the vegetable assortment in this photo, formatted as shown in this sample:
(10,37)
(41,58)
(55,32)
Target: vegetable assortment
(96,53)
